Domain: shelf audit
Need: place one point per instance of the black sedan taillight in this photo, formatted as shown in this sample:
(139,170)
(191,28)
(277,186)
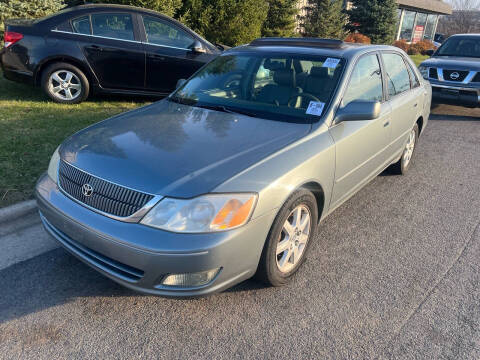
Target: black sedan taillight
(11,37)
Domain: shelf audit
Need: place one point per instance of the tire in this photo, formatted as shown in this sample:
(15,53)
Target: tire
(401,166)
(278,269)
(65,83)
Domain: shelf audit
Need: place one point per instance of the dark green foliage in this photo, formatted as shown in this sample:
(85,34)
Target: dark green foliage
(376,19)
(281,18)
(228,22)
(167,7)
(325,19)
(10,9)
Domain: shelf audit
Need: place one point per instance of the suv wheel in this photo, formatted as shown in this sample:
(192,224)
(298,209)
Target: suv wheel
(289,239)
(65,83)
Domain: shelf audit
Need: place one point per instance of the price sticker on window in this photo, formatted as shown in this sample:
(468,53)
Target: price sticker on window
(315,108)
(331,63)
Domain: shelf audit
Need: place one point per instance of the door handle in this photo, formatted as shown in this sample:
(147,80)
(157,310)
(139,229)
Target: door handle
(386,124)
(159,57)
(415,105)
(96,47)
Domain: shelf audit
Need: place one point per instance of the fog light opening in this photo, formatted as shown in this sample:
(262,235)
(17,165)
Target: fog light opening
(187,280)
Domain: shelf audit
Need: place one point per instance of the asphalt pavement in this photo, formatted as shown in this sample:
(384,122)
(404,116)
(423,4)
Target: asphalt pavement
(394,273)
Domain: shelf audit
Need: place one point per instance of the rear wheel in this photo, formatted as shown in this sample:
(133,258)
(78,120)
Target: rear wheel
(65,83)
(401,166)
(289,239)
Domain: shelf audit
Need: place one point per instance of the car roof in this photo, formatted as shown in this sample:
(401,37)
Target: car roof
(466,35)
(310,46)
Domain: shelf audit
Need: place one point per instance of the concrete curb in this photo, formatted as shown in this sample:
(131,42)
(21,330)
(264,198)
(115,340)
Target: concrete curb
(15,211)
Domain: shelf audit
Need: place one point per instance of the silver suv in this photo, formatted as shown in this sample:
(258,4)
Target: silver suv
(228,177)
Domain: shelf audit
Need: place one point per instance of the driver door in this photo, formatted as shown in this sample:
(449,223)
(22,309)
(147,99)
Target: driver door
(361,145)
(168,54)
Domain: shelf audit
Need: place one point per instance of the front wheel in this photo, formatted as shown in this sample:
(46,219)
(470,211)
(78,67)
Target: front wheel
(289,239)
(65,83)
(401,166)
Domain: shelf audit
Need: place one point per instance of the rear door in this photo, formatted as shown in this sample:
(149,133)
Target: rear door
(169,55)
(405,97)
(361,145)
(113,49)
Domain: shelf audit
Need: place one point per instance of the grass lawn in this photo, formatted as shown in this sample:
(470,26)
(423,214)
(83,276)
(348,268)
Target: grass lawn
(31,127)
(417,59)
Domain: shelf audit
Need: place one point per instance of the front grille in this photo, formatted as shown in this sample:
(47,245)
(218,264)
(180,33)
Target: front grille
(477,77)
(105,196)
(433,74)
(461,75)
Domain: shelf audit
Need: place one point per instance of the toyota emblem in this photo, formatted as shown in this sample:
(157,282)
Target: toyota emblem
(454,76)
(87,190)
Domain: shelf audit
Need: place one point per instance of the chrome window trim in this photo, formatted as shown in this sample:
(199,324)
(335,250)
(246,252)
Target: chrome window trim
(134,218)
(110,38)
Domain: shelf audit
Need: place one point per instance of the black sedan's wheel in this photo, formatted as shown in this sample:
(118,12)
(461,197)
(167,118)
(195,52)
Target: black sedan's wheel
(401,166)
(289,239)
(65,83)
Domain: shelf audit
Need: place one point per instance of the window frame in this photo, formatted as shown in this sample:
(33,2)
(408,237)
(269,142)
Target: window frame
(348,81)
(388,96)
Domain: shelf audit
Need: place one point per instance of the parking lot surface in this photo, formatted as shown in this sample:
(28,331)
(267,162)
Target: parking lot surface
(393,273)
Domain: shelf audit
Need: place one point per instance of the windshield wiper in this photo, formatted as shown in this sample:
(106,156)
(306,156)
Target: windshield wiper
(226,109)
(182,101)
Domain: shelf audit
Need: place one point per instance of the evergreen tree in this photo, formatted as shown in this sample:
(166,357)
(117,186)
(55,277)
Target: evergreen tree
(167,7)
(228,22)
(376,19)
(281,18)
(325,19)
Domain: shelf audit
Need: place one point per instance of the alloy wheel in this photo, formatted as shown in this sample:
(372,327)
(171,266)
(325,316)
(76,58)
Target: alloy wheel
(64,85)
(408,152)
(293,238)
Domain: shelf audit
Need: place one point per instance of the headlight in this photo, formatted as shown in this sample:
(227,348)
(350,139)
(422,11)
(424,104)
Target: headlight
(53,166)
(208,213)
(423,71)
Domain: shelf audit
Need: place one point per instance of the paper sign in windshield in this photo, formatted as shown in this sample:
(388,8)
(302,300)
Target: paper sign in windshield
(315,108)
(331,63)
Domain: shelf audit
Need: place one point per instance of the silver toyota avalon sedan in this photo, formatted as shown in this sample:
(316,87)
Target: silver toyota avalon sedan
(229,176)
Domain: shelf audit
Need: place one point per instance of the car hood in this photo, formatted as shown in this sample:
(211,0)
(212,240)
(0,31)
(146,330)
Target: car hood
(453,63)
(176,150)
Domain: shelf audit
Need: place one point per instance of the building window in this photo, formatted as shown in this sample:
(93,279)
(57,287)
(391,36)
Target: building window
(430,27)
(407,25)
(419,27)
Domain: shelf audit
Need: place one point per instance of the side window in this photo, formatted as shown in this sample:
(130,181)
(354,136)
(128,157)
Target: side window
(366,81)
(398,79)
(81,25)
(413,77)
(116,26)
(161,33)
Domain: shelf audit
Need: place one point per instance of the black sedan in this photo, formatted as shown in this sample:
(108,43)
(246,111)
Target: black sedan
(104,48)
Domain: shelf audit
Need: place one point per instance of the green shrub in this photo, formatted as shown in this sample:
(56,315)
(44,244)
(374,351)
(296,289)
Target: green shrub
(167,7)
(11,9)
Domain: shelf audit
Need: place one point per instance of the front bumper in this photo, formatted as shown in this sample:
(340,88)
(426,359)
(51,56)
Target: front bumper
(139,257)
(455,94)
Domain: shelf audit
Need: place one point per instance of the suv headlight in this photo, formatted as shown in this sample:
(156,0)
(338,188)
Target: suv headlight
(53,166)
(423,71)
(207,213)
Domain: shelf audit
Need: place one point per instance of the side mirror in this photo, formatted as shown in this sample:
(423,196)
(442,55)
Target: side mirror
(198,48)
(358,110)
(429,52)
(180,82)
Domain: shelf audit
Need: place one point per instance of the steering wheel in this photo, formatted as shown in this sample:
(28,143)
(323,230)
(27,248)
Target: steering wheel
(294,98)
(233,81)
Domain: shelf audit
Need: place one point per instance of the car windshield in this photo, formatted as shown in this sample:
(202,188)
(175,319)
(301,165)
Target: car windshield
(294,88)
(458,46)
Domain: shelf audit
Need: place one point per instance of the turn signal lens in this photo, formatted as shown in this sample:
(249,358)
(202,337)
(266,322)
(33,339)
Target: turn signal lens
(208,213)
(11,38)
